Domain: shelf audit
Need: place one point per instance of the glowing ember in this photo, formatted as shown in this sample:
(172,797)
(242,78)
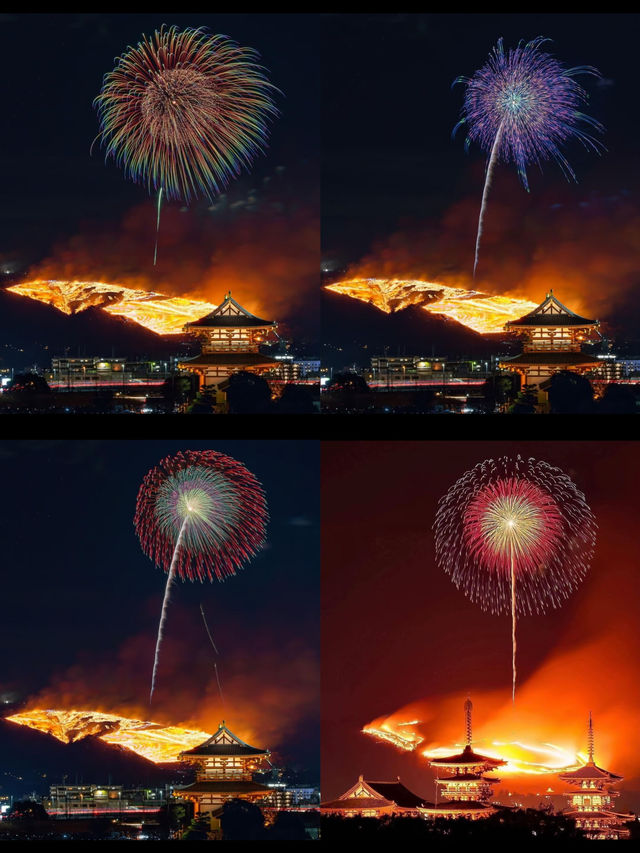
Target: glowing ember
(164,315)
(152,741)
(408,741)
(479,311)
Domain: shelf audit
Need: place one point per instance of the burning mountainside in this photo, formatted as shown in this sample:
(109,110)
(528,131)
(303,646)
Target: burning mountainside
(521,758)
(479,311)
(156,743)
(164,315)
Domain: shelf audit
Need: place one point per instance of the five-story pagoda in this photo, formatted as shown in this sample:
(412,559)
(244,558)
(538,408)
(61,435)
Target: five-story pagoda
(465,788)
(591,803)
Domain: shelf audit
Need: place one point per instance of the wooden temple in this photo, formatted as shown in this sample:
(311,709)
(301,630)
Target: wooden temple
(375,799)
(552,337)
(230,337)
(224,767)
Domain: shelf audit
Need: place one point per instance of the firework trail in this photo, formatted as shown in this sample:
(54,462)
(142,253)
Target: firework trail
(184,113)
(215,663)
(199,515)
(516,535)
(520,107)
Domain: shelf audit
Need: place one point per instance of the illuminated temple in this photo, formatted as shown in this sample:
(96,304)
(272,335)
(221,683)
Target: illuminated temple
(224,770)
(375,799)
(230,337)
(465,789)
(591,801)
(552,340)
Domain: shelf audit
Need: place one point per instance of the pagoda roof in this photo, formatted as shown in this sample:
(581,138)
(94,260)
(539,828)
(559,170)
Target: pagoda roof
(235,359)
(550,312)
(562,357)
(229,315)
(590,770)
(223,743)
(466,758)
(376,795)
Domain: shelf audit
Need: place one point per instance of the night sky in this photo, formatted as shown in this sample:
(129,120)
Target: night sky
(81,602)
(401,642)
(400,197)
(63,211)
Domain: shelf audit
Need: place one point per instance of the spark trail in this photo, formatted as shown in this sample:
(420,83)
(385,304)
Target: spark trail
(517,536)
(165,602)
(200,515)
(521,107)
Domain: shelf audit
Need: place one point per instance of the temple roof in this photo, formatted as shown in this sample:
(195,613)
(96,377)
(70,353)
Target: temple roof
(375,795)
(223,743)
(551,312)
(590,770)
(229,314)
(466,758)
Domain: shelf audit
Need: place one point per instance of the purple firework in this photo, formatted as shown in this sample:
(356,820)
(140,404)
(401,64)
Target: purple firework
(520,107)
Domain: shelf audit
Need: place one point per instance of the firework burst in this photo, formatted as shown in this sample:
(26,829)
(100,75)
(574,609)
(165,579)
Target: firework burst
(521,107)
(185,112)
(200,515)
(516,535)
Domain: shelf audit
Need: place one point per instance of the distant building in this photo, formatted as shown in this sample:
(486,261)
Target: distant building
(591,801)
(375,799)
(68,801)
(78,374)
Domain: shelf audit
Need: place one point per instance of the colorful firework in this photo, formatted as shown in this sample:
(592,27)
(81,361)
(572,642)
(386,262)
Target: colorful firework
(185,112)
(200,515)
(521,107)
(516,535)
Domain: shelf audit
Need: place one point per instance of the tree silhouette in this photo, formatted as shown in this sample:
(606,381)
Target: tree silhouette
(248,393)
(242,821)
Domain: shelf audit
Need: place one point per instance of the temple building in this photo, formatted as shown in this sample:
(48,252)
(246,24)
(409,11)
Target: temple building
(375,799)
(465,789)
(591,801)
(224,770)
(552,340)
(231,337)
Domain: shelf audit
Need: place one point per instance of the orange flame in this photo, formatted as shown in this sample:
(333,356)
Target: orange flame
(164,315)
(478,311)
(152,741)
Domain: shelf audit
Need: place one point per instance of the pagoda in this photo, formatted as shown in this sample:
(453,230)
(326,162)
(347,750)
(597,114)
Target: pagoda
(591,803)
(465,789)
(375,799)
(552,340)
(230,337)
(224,770)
